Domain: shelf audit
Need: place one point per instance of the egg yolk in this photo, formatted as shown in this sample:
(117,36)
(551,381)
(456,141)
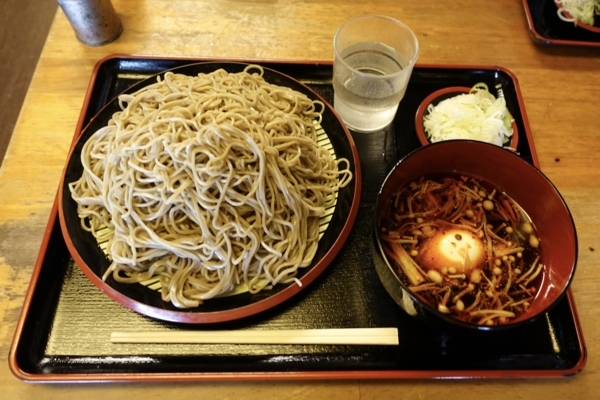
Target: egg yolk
(455,248)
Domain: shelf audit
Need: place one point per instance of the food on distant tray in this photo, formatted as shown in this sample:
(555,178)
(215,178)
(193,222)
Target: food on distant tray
(578,10)
(209,182)
(463,247)
(476,115)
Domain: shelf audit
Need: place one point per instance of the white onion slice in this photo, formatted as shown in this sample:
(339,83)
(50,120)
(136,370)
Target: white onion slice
(476,115)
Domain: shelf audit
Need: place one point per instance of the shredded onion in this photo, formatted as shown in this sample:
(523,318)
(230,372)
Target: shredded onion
(476,115)
(578,10)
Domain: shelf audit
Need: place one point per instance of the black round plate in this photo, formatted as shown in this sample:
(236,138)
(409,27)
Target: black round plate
(93,262)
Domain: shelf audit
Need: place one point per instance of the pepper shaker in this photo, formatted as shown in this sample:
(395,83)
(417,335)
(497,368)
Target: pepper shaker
(95,22)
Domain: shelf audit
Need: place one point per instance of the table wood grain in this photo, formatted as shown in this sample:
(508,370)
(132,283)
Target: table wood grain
(561,93)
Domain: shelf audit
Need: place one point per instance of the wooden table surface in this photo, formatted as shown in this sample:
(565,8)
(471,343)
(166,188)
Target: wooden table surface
(561,93)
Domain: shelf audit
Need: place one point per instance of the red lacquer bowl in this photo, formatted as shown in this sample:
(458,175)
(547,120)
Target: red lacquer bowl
(587,27)
(441,95)
(521,181)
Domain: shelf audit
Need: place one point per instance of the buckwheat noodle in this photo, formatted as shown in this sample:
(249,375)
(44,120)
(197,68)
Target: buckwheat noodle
(208,182)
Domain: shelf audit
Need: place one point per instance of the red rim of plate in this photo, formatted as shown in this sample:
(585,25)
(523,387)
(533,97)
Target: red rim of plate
(445,92)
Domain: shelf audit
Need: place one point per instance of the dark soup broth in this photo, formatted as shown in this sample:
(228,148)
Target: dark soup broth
(463,247)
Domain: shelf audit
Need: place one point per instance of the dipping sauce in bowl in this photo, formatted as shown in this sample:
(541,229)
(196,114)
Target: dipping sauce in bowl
(462,246)
(470,234)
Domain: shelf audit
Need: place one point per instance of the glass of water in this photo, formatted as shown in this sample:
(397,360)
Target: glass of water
(373,59)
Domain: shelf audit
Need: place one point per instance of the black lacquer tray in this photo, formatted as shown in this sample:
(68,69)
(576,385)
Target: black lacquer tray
(64,330)
(546,28)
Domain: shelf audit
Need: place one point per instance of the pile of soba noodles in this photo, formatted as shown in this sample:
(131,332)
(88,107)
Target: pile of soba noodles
(209,182)
(463,247)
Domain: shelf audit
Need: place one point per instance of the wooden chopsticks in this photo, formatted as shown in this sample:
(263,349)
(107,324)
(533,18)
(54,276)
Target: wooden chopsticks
(353,336)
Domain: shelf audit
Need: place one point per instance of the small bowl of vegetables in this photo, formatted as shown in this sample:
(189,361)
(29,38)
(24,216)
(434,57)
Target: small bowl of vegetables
(471,113)
(582,13)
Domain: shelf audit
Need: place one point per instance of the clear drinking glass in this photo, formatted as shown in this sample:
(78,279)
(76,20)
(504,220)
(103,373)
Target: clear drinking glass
(373,59)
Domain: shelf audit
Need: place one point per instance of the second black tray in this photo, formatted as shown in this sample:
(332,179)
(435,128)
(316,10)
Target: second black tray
(64,330)
(546,28)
